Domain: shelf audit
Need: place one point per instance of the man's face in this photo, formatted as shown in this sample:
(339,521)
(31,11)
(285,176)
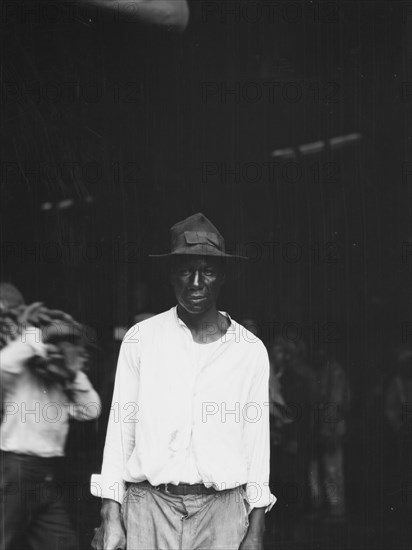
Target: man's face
(196,281)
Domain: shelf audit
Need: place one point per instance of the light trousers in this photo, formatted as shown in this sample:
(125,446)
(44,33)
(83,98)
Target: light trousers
(156,520)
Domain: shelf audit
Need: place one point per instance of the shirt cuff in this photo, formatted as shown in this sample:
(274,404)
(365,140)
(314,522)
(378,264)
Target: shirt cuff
(100,488)
(259,496)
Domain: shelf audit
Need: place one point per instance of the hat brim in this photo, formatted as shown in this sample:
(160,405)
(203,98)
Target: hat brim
(222,255)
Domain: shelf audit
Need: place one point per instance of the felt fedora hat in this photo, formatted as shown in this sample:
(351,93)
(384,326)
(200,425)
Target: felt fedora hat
(196,236)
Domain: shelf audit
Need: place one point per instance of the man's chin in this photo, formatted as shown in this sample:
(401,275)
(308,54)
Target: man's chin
(195,309)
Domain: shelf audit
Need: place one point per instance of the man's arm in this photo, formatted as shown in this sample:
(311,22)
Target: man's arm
(123,417)
(86,400)
(18,353)
(111,534)
(254,536)
(258,451)
(110,485)
(172,14)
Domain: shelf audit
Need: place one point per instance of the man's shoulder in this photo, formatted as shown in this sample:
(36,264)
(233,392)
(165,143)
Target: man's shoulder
(246,335)
(250,342)
(149,325)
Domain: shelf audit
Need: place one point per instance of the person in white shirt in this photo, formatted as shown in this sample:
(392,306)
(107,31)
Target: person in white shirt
(186,458)
(42,386)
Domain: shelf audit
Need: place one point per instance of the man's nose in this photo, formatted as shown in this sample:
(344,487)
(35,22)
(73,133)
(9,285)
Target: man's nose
(196,280)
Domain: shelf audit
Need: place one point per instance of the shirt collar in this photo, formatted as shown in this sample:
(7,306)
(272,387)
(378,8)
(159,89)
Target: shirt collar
(226,337)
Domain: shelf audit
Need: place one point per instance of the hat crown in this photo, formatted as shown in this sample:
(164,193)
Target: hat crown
(194,232)
(196,235)
(196,222)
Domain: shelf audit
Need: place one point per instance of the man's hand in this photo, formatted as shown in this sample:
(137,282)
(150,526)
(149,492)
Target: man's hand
(111,534)
(251,542)
(254,536)
(75,356)
(54,353)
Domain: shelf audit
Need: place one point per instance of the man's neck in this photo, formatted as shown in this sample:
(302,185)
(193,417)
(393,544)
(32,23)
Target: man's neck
(207,327)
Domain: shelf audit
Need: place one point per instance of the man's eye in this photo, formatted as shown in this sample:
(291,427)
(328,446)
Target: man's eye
(184,273)
(209,272)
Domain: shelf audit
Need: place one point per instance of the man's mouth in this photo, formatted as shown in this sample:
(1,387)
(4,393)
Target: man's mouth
(197,298)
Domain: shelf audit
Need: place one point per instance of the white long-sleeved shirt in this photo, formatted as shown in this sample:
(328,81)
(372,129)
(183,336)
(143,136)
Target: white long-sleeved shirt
(184,412)
(36,416)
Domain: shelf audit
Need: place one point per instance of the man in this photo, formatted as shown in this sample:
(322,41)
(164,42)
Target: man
(187,466)
(42,386)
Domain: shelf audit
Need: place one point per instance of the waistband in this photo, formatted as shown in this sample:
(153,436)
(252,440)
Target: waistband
(33,459)
(183,489)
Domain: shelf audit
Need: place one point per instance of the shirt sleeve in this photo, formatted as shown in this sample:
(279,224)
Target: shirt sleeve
(15,355)
(85,400)
(257,437)
(120,435)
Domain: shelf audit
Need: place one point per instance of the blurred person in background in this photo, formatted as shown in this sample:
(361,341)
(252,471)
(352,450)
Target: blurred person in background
(398,413)
(43,385)
(330,415)
(279,415)
(293,383)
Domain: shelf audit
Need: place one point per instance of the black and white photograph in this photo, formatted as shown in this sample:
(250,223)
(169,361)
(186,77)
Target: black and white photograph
(205,274)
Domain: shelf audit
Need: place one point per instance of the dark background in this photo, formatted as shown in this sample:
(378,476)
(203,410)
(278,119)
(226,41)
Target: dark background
(138,128)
